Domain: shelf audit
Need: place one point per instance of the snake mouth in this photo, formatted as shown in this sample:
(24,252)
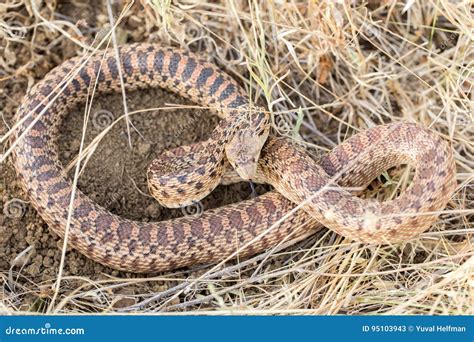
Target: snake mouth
(247,170)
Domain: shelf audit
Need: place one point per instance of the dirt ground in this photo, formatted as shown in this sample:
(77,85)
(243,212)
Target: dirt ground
(114,177)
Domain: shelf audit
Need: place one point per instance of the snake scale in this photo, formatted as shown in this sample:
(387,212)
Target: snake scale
(158,246)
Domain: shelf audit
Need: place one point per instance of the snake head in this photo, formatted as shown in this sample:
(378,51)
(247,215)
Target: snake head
(243,151)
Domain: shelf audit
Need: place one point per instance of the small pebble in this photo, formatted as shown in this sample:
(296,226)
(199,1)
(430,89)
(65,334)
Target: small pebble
(144,149)
(153,210)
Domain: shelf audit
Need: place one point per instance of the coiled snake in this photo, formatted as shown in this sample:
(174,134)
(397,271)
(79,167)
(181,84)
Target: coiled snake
(194,171)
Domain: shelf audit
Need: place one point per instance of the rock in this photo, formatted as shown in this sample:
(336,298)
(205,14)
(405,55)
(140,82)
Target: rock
(153,211)
(144,149)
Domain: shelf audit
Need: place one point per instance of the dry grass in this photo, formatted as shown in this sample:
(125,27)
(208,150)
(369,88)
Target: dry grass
(325,70)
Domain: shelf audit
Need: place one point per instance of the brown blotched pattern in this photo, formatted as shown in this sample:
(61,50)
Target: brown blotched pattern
(145,247)
(354,164)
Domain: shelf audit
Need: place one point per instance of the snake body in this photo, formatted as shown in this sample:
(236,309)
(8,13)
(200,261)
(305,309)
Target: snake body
(158,246)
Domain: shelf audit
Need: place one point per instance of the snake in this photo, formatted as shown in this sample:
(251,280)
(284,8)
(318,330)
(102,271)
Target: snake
(307,194)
